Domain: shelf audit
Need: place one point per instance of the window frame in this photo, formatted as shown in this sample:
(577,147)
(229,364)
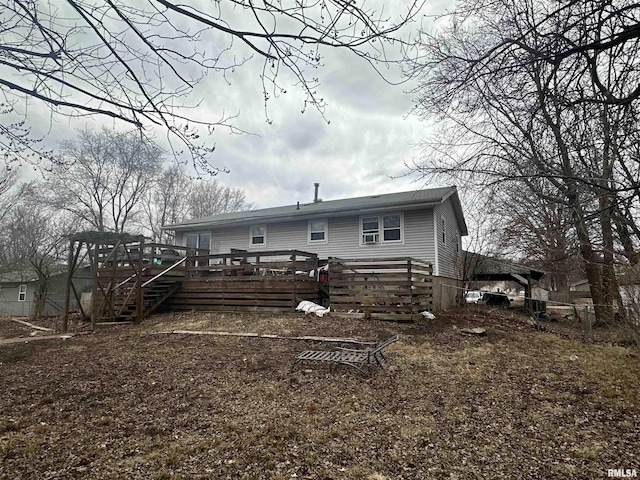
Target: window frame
(443,225)
(325,231)
(252,236)
(198,235)
(399,228)
(22,293)
(381,229)
(370,231)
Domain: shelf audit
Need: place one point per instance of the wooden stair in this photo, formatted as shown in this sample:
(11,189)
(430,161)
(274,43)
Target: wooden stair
(154,295)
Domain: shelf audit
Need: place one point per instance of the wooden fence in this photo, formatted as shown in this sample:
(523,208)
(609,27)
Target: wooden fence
(247,281)
(570,297)
(381,288)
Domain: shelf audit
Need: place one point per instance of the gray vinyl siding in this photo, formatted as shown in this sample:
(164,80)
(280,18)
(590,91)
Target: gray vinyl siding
(447,255)
(343,238)
(54,304)
(56,293)
(9,304)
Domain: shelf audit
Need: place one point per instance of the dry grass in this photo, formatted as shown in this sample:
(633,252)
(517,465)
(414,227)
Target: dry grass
(129,402)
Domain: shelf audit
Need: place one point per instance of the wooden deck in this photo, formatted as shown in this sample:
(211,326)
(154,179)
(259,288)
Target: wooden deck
(243,281)
(133,279)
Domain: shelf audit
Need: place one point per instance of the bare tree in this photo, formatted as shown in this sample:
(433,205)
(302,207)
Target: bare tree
(539,234)
(10,191)
(102,178)
(523,110)
(136,62)
(167,202)
(176,197)
(483,240)
(210,197)
(33,239)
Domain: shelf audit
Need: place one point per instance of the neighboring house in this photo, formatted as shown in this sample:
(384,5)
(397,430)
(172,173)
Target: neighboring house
(426,224)
(580,286)
(19,292)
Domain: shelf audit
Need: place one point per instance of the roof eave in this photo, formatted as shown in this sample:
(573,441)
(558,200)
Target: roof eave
(300,215)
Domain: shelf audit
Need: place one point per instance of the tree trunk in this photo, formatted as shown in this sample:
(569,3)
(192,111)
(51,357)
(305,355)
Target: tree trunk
(610,287)
(591,261)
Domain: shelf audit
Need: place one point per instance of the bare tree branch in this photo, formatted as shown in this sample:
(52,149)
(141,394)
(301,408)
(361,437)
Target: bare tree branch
(139,62)
(537,100)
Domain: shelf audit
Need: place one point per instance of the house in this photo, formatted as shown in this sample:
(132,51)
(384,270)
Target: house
(20,292)
(581,285)
(384,255)
(425,224)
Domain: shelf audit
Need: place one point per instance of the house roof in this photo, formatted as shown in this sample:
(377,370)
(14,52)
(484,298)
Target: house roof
(28,274)
(358,205)
(18,276)
(105,237)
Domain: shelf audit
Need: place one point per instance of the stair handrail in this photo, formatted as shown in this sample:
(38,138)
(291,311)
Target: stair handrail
(126,280)
(165,271)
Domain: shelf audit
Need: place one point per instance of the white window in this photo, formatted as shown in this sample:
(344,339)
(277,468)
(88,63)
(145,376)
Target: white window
(318,231)
(381,229)
(22,293)
(258,235)
(444,231)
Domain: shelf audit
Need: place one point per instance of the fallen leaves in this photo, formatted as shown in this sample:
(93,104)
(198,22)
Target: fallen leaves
(123,403)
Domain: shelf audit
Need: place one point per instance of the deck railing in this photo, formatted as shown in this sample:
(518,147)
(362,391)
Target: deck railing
(248,281)
(242,263)
(397,288)
(152,255)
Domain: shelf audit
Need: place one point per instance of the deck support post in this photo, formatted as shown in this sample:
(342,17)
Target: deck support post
(67,293)
(295,280)
(139,292)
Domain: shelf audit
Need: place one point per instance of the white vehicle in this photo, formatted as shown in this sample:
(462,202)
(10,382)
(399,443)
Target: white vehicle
(473,296)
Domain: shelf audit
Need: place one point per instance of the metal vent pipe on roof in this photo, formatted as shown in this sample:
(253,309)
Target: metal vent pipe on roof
(315,196)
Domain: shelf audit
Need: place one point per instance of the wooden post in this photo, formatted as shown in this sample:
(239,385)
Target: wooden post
(94,289)
(139,292)
(586,326)
(410,287)
(115,262)
(295,280)
(67,293)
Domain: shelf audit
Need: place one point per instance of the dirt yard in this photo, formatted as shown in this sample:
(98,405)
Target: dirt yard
(139,402)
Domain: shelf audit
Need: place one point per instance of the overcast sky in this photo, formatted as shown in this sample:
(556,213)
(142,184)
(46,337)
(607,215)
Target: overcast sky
(359,148)
(365,139)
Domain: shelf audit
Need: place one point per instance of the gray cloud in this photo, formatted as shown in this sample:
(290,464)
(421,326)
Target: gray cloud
(361,142)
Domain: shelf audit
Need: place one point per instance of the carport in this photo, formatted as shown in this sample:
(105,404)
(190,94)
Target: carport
(493,269)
